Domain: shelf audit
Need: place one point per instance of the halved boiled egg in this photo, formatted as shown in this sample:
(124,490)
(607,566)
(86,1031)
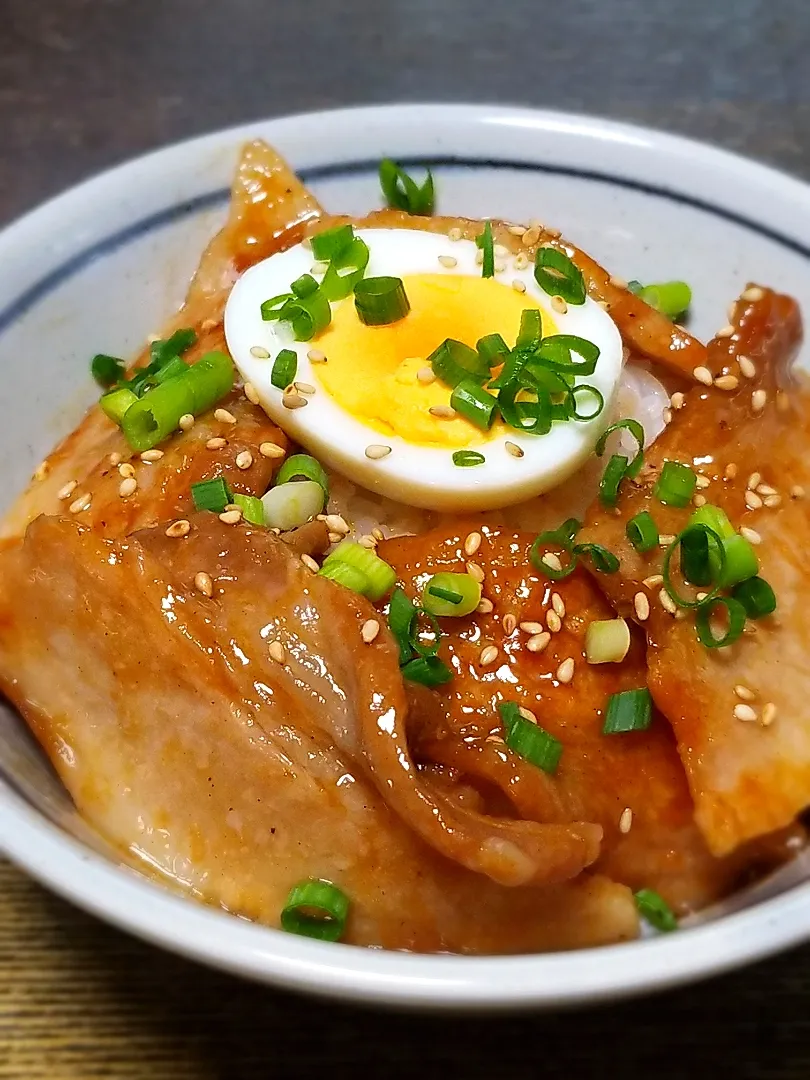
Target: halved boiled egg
(373,408)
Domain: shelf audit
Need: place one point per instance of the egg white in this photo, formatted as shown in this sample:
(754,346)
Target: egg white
(417,475)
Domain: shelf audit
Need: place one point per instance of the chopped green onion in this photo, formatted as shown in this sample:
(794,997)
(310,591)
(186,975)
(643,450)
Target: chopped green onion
(210,379)
(492,349)
(642,532)
(403,193)
(211,495)
(607,641)
(696,562)
(175,367)
(558,276)
(117,402)
(718,564)
(467,459)
(316,909)
(484,241)
(555,351)
(345,575)
(513,365)
(715,518)
(307,314)
(671,298)
(380,301)
(531,327)
(161,352)
(756,596)
(538,560)
(676,484)
(106,370)
(603,560)
(286,506)
(379,576)
(304,286)
(629,710)
(735,613)
(451,594)
(454,362)
(401,615)
(529,417)
(529,740)
(655,910)
(428,671)
(611,480)
(331,242)
(415,634)
(599,402)
(345,270)
(252,508)
(741,561)
(637,431)
(284,369)
(271,309)
(151,419)
(303,467)
(474,403)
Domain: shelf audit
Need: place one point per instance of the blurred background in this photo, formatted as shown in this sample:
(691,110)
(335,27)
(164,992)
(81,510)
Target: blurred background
(87,83)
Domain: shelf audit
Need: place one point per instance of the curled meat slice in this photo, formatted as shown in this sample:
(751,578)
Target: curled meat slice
(741,715)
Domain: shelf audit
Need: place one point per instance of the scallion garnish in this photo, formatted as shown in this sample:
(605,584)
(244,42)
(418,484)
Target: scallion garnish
(380,301)
(175,367)
(655,910)
(558,276)
(211,495)
(756,596)
(735,616)
(715,559)
(161,352)
(210,379)
(451,594)
(307,312)
(555,351)
(403,193)
(676,484)
(117,402)
(612,477)
(530,417)
(741,560)
(271,309)
(474,403)
(599,402)
(401,616)
(642,532)
(529,740)
(619,467)
(428,671)
(345,270)
(303,467)
(715,518)
(561,537)
(531,327)
(485,243)
(454,362)
(284,369)
(671,298)
(628,710)
(492,349)
(468,459)
(328,244)
(607,641)
(252,508)
(316,909)
(603,560)
(379,576)
(106,370)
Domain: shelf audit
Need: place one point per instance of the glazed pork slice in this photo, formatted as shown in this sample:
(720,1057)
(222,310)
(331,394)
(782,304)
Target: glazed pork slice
(741,714)
(185,736)
(633,785)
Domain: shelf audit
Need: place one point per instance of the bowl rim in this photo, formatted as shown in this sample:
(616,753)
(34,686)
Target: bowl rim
(127,899)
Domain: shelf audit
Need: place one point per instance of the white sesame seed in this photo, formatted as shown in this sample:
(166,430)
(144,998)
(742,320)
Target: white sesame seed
(499,251)
(532,627)
(666,416)
(148,457)
(768,714)
(203,583)
(745,712)
(517,230)
(551,231)
(730,471)
(369,630)
(753,501)
(304,388)
(454,234)
(66,491)
(551,560)
(271,450)
(653,581)
(771,501)
(179,528)
(665,539)
(488,655)
(80,504)
(335,538)
(126,470)
(519,286)
(797,492)
(244,460)
(475,571)
(751,535)
(766,489)
(538,642)
(553,622)
(259,352)
(293,400)
(626,821)
(744,693)
(276,652)
(128,487)
(702,482)
(224,416)
(753,293)
(442,412)
(527,714)
(731,310)
(230,517)
(642,606)
(565,672)
(667,603)
(559,305)
(336,523)
(677,400)
(376,451)
(368,541)
(472,543)
(500,266)
(426,375)
(617,282)
(42,470)
(310,563)
(378,534)
(186,422)
(448,261)
(513,449)
(531,236)
(725,331)
(521,261)
(702,375)
(748,368)
(698,500)
(485,606)
(509,623)
(727,382)
(758,400)
(558,604)
(251,393)
(216,444)
(115,459)
(315,356)
(479,257)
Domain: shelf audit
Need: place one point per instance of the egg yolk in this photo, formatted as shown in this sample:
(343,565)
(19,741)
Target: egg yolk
(372,371)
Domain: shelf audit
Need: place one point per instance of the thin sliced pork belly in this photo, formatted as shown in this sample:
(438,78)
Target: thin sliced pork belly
(746,778)
(180,738)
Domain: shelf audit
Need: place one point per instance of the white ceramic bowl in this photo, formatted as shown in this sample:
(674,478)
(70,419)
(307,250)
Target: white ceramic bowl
(101,266)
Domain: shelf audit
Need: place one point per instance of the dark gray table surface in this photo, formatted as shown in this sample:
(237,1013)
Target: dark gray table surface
(87,83)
